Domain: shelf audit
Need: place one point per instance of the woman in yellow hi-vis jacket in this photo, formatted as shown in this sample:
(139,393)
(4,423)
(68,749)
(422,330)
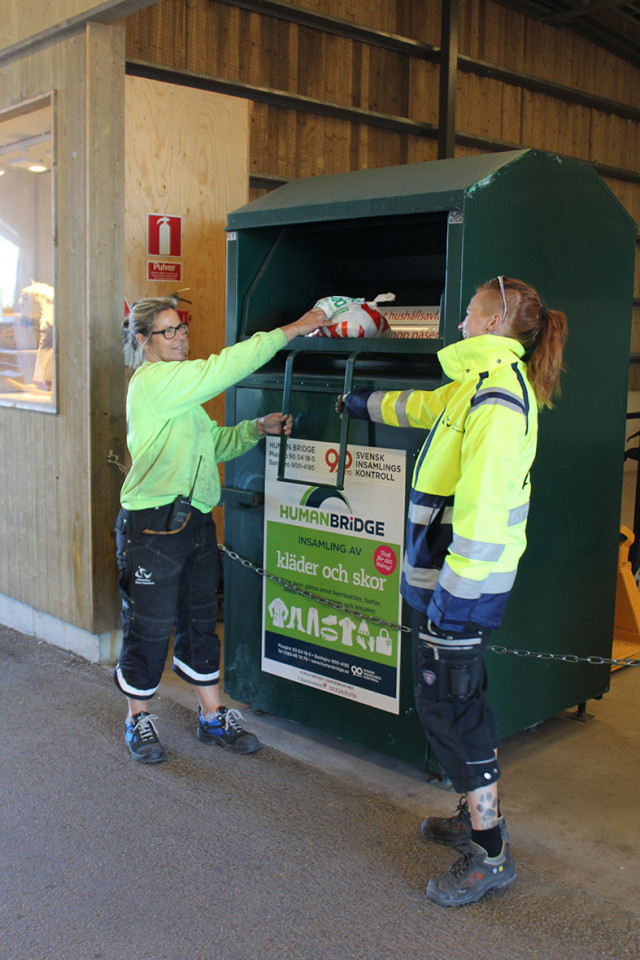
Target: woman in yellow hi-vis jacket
(465,535)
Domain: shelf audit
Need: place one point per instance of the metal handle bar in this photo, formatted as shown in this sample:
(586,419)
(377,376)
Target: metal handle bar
(344,424)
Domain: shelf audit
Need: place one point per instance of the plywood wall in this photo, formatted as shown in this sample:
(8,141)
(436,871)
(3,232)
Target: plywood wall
(186,155)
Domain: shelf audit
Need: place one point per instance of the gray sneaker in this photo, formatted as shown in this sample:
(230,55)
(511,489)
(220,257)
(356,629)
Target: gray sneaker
(455,830)
(226,730)
(142,738)
(473,875)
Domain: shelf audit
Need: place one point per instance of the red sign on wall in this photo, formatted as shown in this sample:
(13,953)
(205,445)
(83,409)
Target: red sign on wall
(163,270)
(164,235)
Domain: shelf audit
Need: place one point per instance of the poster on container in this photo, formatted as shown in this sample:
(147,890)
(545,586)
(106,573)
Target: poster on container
(344,547)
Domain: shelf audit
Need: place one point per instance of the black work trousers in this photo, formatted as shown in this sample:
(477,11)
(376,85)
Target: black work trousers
(450,686)
(168,579)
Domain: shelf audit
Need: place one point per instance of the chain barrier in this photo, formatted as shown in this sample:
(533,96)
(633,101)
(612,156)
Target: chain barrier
(493,648)
(113,458)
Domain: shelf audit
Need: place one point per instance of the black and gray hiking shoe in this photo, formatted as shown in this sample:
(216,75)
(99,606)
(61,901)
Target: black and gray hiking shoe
(226,730)
(142,738)
(455,830)
(471,876)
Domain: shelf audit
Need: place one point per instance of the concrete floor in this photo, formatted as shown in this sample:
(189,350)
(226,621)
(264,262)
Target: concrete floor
(569,789)
(308,850)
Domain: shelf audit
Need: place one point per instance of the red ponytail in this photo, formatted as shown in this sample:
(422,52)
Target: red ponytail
(543,333)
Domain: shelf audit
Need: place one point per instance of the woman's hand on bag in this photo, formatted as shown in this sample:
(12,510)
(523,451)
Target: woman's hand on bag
(307,323)
(274,424)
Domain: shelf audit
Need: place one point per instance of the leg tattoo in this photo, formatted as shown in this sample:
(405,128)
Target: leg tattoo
(487,807)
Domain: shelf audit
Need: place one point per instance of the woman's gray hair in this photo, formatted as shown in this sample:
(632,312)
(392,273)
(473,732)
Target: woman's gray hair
(141,320)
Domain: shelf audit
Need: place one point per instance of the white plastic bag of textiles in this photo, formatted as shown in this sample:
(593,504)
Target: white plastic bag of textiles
(353,317)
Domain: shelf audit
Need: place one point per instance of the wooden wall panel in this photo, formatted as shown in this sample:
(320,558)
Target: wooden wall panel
(421,149)
(479,106)
(421,21)
(541,121)
(158,34)
(501,35)
(578,132)
(223,41)
(553,54)
(424,78)
(186,155)
(104,272)
(58,489)
(470,33)
(511,117)
(615,141)
(320,145)
(21,20)
(402,17)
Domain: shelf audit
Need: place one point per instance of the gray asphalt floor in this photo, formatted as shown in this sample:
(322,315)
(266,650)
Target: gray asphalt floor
(212,856)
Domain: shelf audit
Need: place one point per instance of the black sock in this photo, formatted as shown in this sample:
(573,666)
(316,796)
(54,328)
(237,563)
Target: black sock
(490,840)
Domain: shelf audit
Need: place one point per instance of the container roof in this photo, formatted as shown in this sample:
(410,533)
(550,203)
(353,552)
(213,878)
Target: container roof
(410,188)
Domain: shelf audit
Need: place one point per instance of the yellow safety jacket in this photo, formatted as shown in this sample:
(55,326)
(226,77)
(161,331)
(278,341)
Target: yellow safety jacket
(470,491)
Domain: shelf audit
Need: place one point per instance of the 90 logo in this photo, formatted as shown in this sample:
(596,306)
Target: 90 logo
(332,457)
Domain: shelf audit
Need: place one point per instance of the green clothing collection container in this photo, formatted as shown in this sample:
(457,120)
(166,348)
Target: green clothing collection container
(432,233)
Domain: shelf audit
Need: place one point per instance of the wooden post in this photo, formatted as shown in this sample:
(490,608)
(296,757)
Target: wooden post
(448,79)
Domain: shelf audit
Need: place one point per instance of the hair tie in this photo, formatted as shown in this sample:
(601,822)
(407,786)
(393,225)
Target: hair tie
(543,313)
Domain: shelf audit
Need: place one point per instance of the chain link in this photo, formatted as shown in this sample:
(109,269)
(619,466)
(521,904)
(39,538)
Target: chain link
(493,648)
(306,593)
(113,458)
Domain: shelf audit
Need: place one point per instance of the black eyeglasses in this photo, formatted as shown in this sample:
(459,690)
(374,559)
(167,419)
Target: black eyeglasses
(500,280)
(169,332)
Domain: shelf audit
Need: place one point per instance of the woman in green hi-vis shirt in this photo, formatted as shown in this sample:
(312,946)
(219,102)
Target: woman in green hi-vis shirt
(166,538)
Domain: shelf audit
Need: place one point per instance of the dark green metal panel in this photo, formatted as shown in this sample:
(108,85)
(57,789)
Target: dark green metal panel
(556,225)
(399,736)
(389,191)
(431,233)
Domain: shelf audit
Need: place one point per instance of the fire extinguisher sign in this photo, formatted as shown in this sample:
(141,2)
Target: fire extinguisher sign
(164,235)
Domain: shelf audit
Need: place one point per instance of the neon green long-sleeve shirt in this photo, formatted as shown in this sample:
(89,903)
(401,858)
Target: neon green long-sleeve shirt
(168,430)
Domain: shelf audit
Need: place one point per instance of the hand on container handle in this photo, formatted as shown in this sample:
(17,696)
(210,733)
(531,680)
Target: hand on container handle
(274,424)
(340,403)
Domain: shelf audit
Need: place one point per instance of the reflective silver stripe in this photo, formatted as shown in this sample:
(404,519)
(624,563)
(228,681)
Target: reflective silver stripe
(419,577)
(470,763)
(467,589)
(461,587)
(500,398)
(401,408)
(134,692)
(374,405)
(210,677)
(476,549)
(518,515)
(418,513)
(500,582)
(446,643)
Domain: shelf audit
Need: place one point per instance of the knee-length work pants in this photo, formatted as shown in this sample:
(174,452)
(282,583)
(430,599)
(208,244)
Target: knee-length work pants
(168,580)
(450,685)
